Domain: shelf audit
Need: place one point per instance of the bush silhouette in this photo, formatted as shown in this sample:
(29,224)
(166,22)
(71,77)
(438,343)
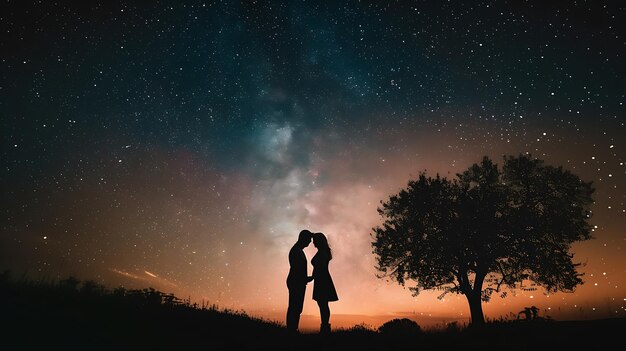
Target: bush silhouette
(400,326)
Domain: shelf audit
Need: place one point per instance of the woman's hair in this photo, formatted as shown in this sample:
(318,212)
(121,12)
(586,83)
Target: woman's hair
(322,244)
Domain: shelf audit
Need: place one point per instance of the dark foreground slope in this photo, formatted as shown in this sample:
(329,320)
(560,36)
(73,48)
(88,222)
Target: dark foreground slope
(72,316)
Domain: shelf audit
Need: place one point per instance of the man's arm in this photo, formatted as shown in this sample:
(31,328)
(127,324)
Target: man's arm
(292,258)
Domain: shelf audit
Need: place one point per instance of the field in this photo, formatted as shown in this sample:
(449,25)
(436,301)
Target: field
(70,315)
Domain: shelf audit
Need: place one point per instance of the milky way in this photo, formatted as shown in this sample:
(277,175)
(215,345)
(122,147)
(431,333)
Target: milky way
(184,146)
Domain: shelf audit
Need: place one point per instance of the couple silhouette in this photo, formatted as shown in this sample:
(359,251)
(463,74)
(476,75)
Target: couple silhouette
(298,278)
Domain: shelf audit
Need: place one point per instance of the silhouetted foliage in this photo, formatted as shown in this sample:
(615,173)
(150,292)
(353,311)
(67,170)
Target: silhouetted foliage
(69,284)
(531,313)
(490,229)
(400,327)
(453,327)
(90,287)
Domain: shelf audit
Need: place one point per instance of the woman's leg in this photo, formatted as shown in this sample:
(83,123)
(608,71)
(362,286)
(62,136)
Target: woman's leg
(324,311)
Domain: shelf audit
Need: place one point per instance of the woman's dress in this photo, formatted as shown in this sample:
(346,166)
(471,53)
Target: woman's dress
(323,287)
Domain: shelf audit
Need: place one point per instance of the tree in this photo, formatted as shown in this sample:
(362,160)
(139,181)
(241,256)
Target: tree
(490,230)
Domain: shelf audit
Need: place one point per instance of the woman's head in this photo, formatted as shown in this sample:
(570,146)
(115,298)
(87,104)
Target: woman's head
(321,243)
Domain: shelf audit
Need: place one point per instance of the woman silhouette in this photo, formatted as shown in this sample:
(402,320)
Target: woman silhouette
(323,287)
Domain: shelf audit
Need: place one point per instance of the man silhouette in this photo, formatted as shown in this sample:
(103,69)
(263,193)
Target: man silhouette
(297,279)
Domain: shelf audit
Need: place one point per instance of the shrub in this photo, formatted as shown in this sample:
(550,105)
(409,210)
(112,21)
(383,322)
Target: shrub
(400,326)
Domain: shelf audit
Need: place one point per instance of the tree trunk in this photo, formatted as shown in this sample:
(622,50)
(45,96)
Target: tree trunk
(476,308)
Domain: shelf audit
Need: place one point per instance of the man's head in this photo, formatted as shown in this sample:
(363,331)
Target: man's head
(304,238)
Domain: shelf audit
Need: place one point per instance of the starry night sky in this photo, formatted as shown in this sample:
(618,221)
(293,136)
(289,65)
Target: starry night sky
(185,146)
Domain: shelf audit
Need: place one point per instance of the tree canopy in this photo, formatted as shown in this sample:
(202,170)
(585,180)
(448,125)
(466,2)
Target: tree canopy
(491,229)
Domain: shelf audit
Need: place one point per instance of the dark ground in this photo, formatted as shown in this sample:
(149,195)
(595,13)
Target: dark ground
(68,317)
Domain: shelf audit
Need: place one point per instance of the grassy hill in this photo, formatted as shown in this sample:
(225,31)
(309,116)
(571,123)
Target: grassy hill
(74,315)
